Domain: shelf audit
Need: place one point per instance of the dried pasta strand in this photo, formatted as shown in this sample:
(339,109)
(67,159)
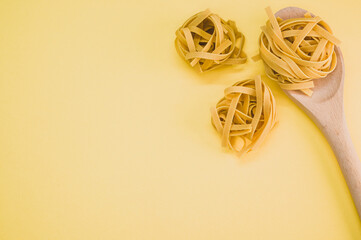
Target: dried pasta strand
(207,41)
(245,115)
(296,51)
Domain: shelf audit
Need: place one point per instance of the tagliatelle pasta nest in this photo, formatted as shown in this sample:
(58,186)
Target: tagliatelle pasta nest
(207,41)
(245,115)
(296,51)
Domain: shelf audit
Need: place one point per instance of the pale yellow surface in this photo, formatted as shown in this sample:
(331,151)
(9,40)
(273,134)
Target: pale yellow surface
(105,131)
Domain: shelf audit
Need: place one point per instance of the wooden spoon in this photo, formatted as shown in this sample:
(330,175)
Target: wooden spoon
(325,108)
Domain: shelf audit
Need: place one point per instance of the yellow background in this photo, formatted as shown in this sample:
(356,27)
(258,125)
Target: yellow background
(105,131)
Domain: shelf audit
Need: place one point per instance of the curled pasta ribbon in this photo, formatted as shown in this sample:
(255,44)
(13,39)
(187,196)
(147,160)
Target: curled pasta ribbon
(296,51)
(207,41)
(245,115)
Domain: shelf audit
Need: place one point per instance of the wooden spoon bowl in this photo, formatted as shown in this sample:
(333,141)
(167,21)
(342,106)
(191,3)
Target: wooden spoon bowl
(325,108)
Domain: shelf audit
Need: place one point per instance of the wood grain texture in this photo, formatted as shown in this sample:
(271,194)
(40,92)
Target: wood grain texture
(325,108)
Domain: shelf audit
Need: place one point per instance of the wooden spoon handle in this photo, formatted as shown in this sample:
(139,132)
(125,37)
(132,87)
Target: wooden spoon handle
(339,138)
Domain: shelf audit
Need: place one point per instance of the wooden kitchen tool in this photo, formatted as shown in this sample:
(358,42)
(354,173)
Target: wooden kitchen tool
(325,108)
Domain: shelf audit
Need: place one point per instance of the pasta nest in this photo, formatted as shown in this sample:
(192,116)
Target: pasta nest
(297,50)
(245,115)
(207,41)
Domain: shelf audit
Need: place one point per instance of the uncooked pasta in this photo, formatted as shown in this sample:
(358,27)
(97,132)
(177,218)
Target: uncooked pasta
(297,50)
(206,41)
(245,115)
